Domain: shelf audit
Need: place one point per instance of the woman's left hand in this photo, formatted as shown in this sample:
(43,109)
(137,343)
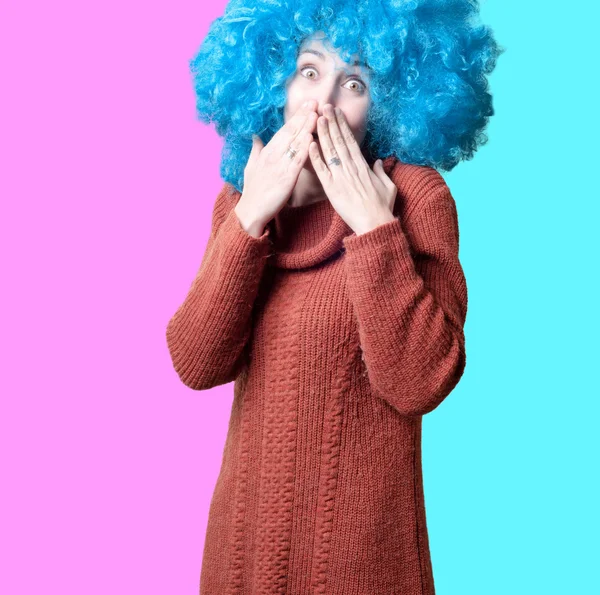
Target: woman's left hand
(362,196)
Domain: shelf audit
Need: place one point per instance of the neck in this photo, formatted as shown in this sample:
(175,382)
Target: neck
(308,188)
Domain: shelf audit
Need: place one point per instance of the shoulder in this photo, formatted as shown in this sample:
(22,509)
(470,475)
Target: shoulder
(416,184)
(424,203)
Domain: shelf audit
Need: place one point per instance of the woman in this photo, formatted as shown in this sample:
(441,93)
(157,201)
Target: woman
(331,290)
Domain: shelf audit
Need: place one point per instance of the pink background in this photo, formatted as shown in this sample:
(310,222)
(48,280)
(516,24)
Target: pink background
(109,458)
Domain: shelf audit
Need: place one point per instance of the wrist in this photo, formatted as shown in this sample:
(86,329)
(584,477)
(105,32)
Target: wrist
(381,220)
(250,223)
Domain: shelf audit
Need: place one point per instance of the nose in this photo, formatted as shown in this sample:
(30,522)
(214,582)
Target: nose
(323,103)
(327,93)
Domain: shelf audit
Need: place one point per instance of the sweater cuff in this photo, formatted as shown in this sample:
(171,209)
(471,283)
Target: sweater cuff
(241,240)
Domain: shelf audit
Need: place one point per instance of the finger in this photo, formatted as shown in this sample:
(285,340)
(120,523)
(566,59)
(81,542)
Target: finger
(291,135)
(337,139)
(382,175)
(320,167)
(376,177)
(302,120)
(386,182)
(257,146)
(325,139)
(300,145)
(349,139)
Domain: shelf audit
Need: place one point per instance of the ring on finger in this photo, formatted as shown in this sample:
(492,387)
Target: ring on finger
(334,159)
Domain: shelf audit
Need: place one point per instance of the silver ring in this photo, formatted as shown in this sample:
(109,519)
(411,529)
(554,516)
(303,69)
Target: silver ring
(334,161)
(291,153)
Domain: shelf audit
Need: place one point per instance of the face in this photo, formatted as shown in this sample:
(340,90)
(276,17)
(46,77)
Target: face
(323,76)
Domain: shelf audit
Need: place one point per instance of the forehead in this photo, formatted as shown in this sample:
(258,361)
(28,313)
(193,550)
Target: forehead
(314,46)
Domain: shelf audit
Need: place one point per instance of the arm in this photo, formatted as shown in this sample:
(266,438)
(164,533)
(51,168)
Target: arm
(411,312)
(207,334)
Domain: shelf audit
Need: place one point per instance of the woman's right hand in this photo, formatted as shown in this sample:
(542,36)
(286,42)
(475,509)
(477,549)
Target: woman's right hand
(270,175)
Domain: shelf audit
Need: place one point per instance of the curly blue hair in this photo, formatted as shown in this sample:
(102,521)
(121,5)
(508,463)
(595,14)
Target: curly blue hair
(427,61)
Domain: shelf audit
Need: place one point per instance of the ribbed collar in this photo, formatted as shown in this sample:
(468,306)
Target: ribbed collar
(307,235)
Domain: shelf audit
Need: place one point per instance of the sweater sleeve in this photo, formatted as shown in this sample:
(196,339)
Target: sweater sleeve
(410,300)
(208,333)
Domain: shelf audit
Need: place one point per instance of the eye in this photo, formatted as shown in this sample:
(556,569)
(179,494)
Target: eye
(361,86)
(307,68)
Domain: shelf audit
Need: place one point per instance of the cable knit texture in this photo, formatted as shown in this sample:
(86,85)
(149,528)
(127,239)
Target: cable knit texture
(338,344)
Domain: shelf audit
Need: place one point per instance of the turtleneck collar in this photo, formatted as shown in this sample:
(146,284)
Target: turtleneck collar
(307,235)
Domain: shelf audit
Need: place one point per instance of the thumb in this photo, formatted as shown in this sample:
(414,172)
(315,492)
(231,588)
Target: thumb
(257,147)
(378,169)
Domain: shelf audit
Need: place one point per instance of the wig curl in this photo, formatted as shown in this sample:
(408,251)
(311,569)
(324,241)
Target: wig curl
(428,64)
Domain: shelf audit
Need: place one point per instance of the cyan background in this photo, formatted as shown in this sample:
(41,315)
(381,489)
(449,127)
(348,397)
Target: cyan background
(107,185)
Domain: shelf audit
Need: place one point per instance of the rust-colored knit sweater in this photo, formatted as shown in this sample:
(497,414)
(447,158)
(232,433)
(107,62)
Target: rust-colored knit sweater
(338,344)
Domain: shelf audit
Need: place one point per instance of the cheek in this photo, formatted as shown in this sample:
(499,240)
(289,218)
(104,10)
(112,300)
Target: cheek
(294,88)
(356,118)
(293,101)
(357,126)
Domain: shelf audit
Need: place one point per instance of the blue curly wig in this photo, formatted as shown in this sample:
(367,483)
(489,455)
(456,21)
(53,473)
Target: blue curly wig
(427,61)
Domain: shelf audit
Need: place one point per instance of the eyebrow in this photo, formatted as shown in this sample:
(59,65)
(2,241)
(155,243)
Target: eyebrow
(317,53)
